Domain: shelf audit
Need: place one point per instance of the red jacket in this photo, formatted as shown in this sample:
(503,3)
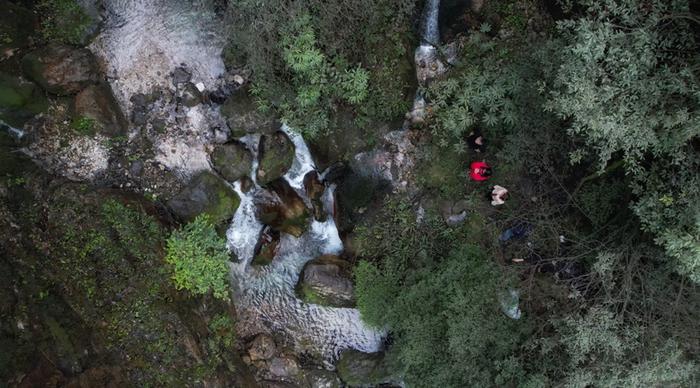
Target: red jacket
(476,171)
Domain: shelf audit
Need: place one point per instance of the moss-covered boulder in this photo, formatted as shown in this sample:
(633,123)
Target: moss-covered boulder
(97,103)
(327,280)
(281,208)
(232,160)
(358,369)
(276,155)
(16,26)
(205,193)
(243,117)
(19,100)
(61,69)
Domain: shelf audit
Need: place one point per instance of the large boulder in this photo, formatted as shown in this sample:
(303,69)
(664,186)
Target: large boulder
(318,378)
(232,160)
(96,102)
(19,100)
(282,209)
(243,117)
(205,193)
(61,69)
(16,26)
(327,281)
(358,369)
(276,155)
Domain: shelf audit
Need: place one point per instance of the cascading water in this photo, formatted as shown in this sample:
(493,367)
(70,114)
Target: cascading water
(264,296)
(430,32)
(14,132)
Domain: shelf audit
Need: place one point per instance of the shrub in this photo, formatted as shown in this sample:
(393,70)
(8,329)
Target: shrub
(199,258)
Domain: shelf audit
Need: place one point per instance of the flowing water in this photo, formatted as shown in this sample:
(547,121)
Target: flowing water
(264,296)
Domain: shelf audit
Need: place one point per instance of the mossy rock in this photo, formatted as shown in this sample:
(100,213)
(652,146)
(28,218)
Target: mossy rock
(276,157)
(61,69)
(205,193)
(357,369)
(243,117)
(16,26)
(19,100)
(327,280)
(232,160)
(97,103)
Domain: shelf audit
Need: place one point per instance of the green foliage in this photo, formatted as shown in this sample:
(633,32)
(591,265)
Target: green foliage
(312,58)
(433,300)
(64,21)
(199,258)
(85,125)
(627,87)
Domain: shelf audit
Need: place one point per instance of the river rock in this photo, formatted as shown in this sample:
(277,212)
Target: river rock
(243,117)
(285,367)
(318,378)
(232,160)
(16,26)
(327,281)
(205,193)
(276,157)
(98,103)
(266,247)
(191,96)
(314,190)
(61,69)
(19,100)
(262,348)
(282,209)
(358,369)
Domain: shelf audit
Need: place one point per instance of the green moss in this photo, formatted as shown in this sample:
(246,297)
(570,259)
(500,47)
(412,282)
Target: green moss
(64,21)
(19,100)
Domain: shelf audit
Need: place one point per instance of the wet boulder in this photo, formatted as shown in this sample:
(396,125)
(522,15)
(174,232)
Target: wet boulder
(285,367)
(327,281)
(282,209)
(243,118)
(314,190)
(191,96)
(205,193)
(266,247)
(262,348)
(16,26)
(358,369)
(19,100)
(96,102)
(61,69)
(232,160)
(276,155)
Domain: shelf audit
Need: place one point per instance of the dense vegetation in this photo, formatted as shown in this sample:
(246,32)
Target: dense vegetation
(593,126)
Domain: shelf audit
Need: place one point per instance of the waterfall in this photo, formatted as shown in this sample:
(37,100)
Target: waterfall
(14,132)
(430,33)
(264,296)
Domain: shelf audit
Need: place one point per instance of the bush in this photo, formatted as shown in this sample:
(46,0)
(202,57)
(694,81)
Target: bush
(199,258)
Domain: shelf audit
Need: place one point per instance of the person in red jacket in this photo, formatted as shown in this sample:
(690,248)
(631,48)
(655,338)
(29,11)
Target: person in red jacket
(479,171)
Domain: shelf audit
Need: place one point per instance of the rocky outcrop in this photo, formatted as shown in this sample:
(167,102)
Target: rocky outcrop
(358,369)
(282,209)
(61,69)
(319,378)
(393,162)
(232,160)
(97,102)
(205,193)
(454,212)
(276,154)
(327,281)
(19,100)
(243,117)
(314,191)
